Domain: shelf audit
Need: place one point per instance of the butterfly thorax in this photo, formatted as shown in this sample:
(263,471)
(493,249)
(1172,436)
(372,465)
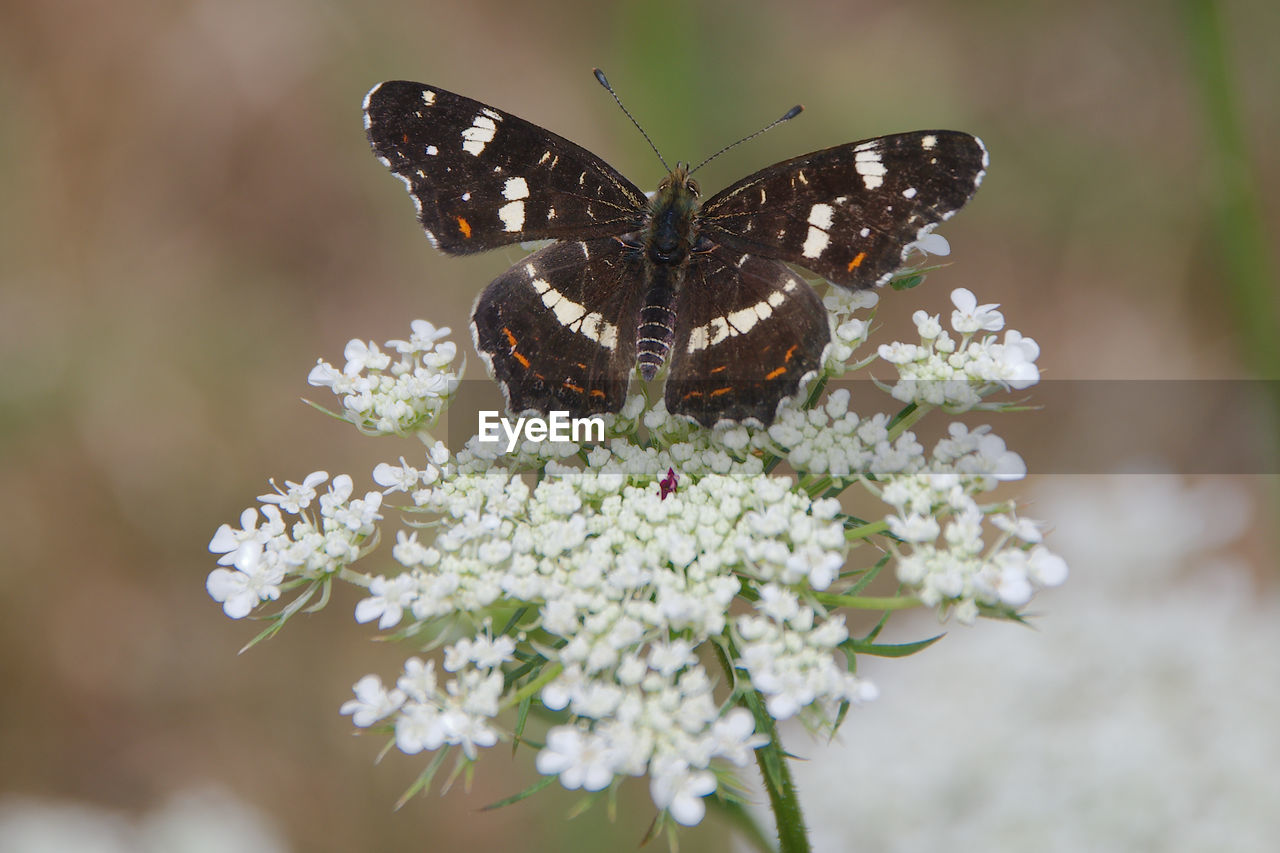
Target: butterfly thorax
(668,238)
(668,232)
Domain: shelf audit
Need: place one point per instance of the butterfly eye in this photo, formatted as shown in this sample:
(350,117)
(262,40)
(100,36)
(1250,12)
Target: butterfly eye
(692,186)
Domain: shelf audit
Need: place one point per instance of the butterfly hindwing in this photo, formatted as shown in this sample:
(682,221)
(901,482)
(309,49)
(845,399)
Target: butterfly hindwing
(558,329)
(482,178)
(750,331)
(849,213)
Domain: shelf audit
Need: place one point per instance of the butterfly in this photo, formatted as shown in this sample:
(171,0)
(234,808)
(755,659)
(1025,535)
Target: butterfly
(702,287)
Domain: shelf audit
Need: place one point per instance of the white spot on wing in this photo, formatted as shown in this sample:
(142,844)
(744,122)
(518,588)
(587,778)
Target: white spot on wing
(515,188)
(718,330)
(927,142)
(909,192)
(428,97)
(512,215)
(820,215)
(867,163)
(575,317)
(816,241)
(737,322)
(432,150)
(480,134)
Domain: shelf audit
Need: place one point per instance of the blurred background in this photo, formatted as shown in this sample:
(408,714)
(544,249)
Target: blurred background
(190,215)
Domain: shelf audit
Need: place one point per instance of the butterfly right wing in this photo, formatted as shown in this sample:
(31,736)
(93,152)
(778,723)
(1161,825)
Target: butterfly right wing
(751,331)
(849,213)
(558,329)
(482,178)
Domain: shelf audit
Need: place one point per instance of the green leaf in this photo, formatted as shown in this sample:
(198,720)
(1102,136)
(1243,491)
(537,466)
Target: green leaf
(424,778)
(888,650)
(515,798)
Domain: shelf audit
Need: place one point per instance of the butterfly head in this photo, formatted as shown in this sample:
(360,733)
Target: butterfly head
(669,229)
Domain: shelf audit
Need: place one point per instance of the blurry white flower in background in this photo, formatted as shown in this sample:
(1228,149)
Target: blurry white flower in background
(198,820)
(1139,714)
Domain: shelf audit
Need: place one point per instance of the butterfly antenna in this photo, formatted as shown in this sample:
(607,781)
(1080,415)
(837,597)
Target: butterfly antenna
(790,114)
(603,82)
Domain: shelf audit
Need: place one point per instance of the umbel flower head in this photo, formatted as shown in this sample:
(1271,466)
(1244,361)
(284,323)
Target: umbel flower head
(651,605)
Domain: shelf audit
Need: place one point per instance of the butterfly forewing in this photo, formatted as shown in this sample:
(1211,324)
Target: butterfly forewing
(707,290)
(750,331)
(482,178)
(558,329)
(849,213)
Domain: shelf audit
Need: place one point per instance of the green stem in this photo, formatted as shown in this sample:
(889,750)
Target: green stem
(909,419)
(864,531)
(869,602)
(545,677)
(774,771)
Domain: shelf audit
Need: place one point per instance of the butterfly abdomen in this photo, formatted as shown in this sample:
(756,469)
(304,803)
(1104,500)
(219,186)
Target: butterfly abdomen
(657,328)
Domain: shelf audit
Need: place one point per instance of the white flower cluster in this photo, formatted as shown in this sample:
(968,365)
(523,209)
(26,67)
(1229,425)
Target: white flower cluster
(832,441)
(385,398)
(427,715)
(632,565)
(627,585)
(264,556)
(942,550)
(957,374)
(848,332)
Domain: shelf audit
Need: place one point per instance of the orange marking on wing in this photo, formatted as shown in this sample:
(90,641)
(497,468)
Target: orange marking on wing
(691,394)
(524,362)
(857,260)
(791,352)
(575,388)
(719,391)
(718,369)
(774,374)
(595,392)
(464,227)
(511,338)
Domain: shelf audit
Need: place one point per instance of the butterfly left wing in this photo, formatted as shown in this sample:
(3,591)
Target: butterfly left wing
(482,178)
(750,331)
(848,213)
(558,329)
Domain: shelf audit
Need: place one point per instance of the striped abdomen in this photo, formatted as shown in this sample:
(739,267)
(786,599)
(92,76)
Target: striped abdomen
(657,320)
